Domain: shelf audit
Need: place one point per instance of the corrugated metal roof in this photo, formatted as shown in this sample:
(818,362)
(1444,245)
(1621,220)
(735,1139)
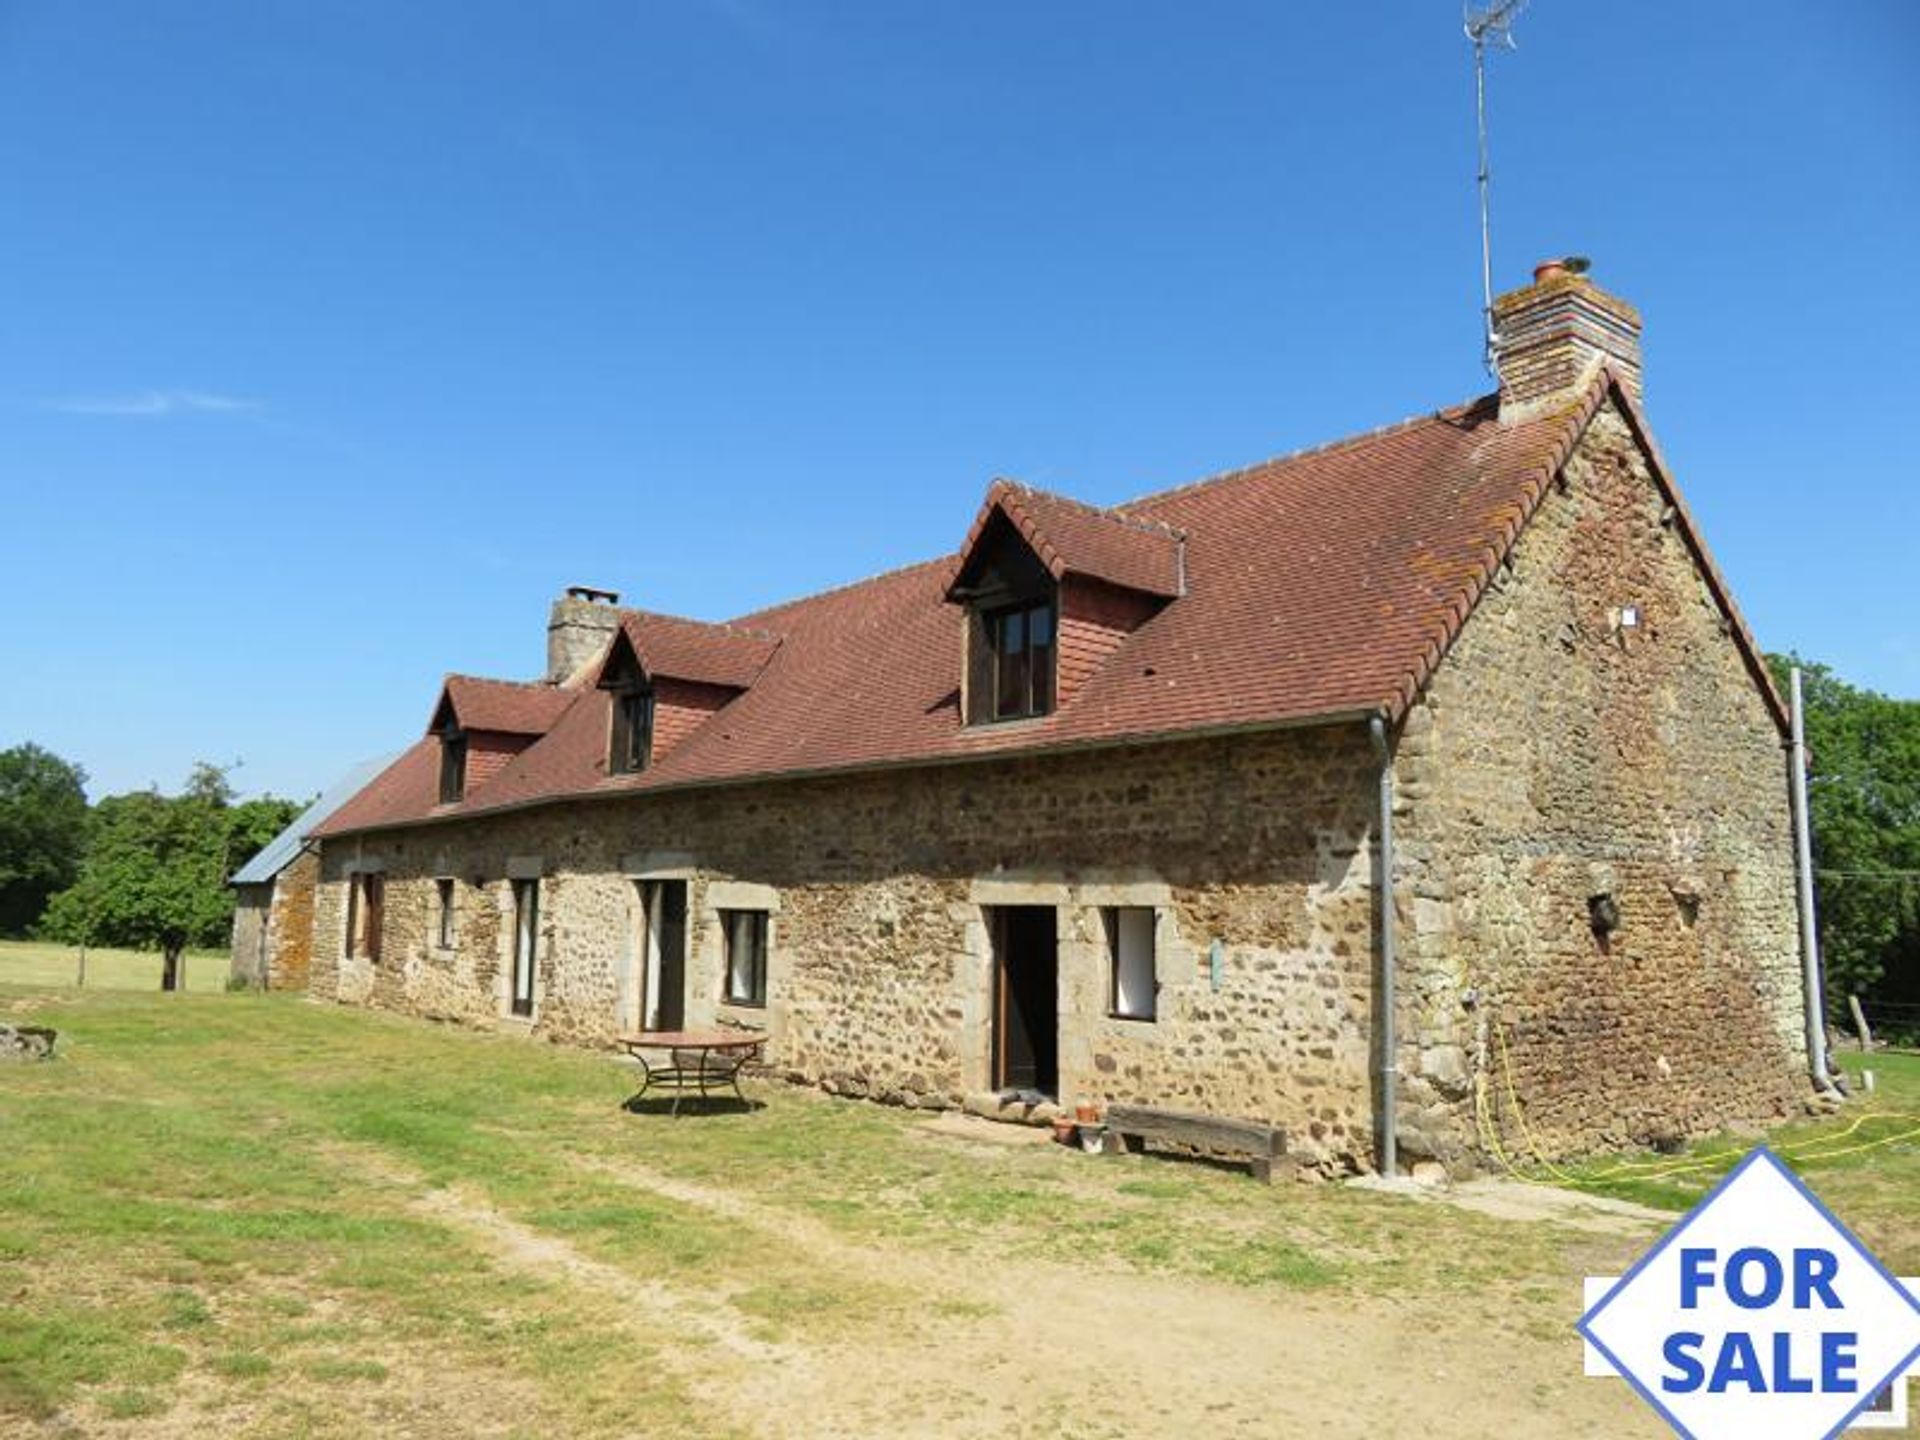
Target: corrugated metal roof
(281,851)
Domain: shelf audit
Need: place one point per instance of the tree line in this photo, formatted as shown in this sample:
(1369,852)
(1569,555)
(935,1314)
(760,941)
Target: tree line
(1863,793)
(141,871)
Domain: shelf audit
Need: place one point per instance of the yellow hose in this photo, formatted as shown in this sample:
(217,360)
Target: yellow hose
(1806,1151)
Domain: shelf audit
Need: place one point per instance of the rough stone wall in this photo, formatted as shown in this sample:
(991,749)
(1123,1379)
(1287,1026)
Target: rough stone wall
(249,957)
(290,924)
(1556,757)
(577,632)
(273,927)
(880,976)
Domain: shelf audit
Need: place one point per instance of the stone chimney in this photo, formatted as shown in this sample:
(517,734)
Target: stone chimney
(582,622)
(1550,336)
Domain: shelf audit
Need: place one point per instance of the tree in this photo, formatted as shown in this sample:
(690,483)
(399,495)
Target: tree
(43,828)
(1864,799)
(156,868)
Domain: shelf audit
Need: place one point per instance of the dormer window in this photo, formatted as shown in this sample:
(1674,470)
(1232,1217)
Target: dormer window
(453,765)
(630,740)
(1037,567)
(630,710)
(1013,612)
(1022,642)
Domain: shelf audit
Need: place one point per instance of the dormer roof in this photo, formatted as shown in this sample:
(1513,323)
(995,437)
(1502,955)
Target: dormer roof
(1068,537)
(670,647)
(509,707)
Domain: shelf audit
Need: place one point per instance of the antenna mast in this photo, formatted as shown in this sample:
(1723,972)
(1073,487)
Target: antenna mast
(1495,24)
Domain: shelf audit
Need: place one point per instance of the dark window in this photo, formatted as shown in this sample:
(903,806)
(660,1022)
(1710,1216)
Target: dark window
(631,740)
(1022,641)
(453,766)
(444,892)
(745,933)
(1134,990)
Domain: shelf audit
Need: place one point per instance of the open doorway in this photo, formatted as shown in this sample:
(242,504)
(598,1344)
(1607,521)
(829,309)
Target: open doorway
(1026,975)
(663,909)
(526,941)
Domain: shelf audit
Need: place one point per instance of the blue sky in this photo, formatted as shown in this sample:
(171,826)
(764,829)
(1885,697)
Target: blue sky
(337,338)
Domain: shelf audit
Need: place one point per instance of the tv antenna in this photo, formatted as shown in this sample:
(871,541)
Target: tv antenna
(1493,25)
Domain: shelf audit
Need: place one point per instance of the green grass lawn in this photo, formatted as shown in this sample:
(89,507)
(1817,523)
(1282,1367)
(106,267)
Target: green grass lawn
(1865,1163)
(40,964)
(231,1214)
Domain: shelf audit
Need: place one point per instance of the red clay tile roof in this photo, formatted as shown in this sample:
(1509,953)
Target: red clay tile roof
(512,707)
(1320,586)
(728,655)
(1071,538)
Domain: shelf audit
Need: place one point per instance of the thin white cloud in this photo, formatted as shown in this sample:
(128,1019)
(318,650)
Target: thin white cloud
(157,404)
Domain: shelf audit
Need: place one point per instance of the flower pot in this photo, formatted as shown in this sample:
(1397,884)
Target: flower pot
(1063,1129)
(1086,1112)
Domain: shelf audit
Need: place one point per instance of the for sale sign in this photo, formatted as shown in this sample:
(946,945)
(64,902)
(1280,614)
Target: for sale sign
(1758,1316)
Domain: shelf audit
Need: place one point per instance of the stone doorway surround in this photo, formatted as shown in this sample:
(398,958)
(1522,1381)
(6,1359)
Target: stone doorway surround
(1081,957)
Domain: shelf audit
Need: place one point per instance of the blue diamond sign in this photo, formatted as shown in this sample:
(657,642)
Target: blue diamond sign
(1759,1315)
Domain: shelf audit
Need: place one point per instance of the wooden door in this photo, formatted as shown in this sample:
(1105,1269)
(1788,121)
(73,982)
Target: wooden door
(1027,1002)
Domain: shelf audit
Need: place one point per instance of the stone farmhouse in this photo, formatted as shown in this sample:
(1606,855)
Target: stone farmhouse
(1396,792)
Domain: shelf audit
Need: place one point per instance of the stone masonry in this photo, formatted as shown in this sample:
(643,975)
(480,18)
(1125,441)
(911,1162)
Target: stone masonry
(1594,888)
(273,927)
(1561,761)
(880,976)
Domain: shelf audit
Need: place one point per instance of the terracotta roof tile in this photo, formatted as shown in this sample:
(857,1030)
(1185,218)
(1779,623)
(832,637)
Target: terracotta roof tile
(729,655)
(1321,585)
(511,707)
(1073,538)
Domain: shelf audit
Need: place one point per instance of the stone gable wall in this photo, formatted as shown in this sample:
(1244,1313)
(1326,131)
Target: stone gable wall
(1556,757)
(880,973)
(290,923)
(273,927)
(249,957)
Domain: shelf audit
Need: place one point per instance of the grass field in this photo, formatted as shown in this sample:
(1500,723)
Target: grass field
(36,963)
(1865,1163)
(250,1215)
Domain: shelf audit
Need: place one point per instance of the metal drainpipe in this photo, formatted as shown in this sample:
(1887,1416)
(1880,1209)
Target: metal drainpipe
(1809,930)
(1389,1043)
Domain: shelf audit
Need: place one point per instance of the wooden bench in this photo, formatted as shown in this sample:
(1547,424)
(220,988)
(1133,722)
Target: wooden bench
(1132,1126)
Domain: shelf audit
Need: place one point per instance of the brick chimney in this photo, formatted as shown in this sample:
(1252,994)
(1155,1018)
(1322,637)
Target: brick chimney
(1551,335)
(582,622)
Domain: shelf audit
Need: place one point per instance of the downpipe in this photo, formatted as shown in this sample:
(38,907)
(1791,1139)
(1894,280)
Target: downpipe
(1809,928)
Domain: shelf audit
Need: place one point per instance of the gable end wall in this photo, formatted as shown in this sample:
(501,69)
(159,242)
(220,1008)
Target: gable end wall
(1556,757)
